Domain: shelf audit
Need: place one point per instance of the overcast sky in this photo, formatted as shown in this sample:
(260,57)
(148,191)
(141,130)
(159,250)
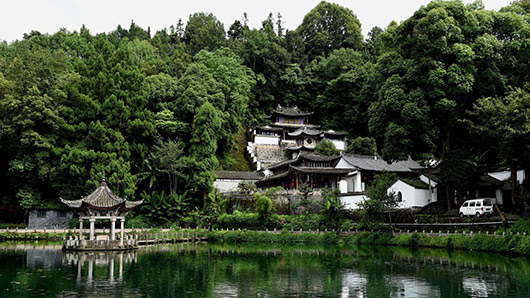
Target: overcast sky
(48,16)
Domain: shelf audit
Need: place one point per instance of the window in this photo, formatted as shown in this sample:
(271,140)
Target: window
(61,214)
(472,204)
(41,213)
(479,204)
(399,197)
(487,203)
(465,204)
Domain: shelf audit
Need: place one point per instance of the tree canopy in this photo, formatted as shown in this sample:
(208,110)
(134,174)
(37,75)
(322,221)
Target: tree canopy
(75,105)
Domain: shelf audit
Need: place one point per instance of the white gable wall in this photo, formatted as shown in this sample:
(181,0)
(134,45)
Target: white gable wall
(412,197)
(343,164)
(505,175)
(351,201)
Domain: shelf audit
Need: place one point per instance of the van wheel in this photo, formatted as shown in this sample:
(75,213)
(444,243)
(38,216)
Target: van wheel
(477,215)
(461,215)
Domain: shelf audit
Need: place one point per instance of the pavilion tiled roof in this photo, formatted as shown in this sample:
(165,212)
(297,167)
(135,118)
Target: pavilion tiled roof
(291,111)
(102,198)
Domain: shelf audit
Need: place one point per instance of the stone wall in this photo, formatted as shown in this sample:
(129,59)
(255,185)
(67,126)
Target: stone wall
(285,201)
(269,154)
(40,219)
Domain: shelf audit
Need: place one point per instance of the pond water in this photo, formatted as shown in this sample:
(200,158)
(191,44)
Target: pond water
(260,270)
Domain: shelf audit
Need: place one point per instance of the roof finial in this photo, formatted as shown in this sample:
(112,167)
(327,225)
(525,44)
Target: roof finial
(103,182)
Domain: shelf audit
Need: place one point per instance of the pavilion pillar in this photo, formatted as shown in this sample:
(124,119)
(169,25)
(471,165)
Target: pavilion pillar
(111,269)
(80,229)
(120,272)
(112,228)
(122,228)
(92,221)
(90,270)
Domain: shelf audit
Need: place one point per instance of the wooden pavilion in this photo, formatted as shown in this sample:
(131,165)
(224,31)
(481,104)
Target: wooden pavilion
(101,204)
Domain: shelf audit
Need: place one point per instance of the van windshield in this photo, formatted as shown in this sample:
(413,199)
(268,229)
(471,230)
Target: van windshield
(487,203)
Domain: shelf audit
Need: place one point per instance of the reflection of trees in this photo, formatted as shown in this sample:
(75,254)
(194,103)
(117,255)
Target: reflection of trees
(249,270)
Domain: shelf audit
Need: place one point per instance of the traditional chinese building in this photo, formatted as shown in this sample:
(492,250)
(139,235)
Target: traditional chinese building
(101,204)
(316,171)
(289,134)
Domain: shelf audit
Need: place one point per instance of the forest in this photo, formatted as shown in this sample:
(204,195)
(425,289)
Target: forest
(158,112)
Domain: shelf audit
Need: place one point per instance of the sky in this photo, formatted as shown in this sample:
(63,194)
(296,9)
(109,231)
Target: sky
(48,16)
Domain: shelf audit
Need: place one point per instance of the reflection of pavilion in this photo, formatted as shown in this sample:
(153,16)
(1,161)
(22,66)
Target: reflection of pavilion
(101,204)
(99,259)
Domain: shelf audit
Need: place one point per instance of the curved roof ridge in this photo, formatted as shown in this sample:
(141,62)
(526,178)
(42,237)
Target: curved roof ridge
(101,198)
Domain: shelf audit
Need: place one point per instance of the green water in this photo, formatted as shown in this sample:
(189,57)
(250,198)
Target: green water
(251,270)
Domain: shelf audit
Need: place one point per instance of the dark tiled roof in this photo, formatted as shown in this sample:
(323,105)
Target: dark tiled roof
(291,111)
(320,170)
(296,148)
(238,175)
(487,180)
(305,131)
(282,163)
(273,177)
(307,156)
(102,198)
(293,125)
(318,157)
(370,163)
(416,183)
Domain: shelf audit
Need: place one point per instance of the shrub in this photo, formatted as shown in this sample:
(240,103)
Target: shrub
(347,225)
(263,206)
(304,222)
(137,222)
(520,226)
(240,220)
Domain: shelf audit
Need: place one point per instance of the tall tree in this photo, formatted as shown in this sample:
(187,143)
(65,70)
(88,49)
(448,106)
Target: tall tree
(201,160)
(328,27)
(506,122)
(204,32)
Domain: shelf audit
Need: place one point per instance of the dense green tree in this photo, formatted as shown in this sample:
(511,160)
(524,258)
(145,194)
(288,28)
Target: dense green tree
(204,32)
(436,65)
(327,27)
(168,158)
(506,123)
(201,160)
(379,200)
(340,90)
(362,145)
(327,148)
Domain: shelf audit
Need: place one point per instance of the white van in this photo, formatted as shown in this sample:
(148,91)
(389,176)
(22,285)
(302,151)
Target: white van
(477,207)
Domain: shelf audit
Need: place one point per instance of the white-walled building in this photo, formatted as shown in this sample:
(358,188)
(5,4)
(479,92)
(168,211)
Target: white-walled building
(413,189)
(227,181)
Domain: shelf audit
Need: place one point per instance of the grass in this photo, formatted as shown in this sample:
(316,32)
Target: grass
(235,160)
(509,244)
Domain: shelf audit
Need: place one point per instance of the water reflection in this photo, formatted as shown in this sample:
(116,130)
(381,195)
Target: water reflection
(108,260)
(218,270)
